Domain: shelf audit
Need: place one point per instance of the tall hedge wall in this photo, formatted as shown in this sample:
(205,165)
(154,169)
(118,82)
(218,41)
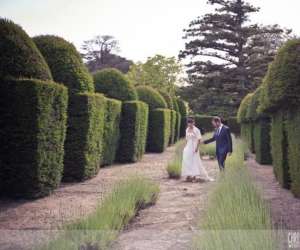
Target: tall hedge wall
(32,134)
(152,97)
(159,125)
(168,99)
(114,84)
(19,55)
(173,122)
(203,122)
(177,127)
(133,127)
(65,63)
(183,110)
(84,137)
(111,133)
(235,127)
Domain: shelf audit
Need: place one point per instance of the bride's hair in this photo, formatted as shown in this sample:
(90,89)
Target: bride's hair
(190,120)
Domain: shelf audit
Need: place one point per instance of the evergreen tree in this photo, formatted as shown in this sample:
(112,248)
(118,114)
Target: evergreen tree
(228,56)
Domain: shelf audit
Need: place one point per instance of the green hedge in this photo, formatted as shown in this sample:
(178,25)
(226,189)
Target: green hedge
(262,140)
(19,55)
(65,63)
(247,134)
(175,104)
(114,84)
(279,149)
(242,115)
(178,126)
(159,128)
(183,126)
(182,107)
(133,127)
(233,124)
(32,134)
(173,127)
(152,97)
(293,134)
(84,136)
(203,122)
(168,99)
(111,134)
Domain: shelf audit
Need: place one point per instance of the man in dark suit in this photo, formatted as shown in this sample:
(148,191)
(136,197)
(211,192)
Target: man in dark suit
(223,139)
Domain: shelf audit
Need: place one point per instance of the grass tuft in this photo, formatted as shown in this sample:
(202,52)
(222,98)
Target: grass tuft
(174,166)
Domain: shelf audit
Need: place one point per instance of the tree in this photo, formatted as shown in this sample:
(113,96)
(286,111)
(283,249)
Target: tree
(228,55)
(159,72)
(99,53)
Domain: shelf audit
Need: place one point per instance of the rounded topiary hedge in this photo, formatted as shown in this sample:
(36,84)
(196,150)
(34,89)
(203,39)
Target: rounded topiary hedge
(65,63)
(113,84)
(152,97)
(182,107)
(243,109)
(281,83)
(173,127)
(203,122)
(19,57)
(168,99)
(175,104)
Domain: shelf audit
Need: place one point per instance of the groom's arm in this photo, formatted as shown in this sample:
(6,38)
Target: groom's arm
(210,140)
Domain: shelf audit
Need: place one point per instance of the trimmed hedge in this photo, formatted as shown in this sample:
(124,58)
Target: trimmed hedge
(113,84)
(233,124)
(173,127)
(168,99)
(262,140)
(293,136)
(84,136)
(177,127)
(159,125)
(65,63)
(203,122)
(182,107)
(279,149)
(152,97)
(133,127)
(242,115)
(19,55)
(111,134)
(281,84)
(175,104)
(32,134)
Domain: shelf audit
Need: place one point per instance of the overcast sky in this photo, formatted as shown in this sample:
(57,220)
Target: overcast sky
(143,27)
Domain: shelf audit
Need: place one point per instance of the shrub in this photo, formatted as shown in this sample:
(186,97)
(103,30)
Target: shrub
(243,109)
(261,135)
(279,149)
(133,127)
(111,133)
(113,84)
(293,135)
(175,104)
(177,127)
(174,166)
(247,135)
(84,136)
(152,97)
(19,55)
(65,63)
(182,107)
(203,122)
(173,127)
(281,84)
(234,126)
(159,128)
(32,134)
(168,99)
(183,124)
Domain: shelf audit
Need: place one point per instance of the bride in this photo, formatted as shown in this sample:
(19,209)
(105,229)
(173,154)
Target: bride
(191,163)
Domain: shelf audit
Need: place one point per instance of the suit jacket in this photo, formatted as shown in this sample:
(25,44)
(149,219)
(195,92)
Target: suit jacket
(223,141)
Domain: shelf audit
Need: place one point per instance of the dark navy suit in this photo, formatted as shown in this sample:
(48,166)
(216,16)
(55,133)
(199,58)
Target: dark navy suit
(223,144)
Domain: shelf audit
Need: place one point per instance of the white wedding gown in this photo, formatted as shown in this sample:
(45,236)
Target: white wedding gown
(191,161)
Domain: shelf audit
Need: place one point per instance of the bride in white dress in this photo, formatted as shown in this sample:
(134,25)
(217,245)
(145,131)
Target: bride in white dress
(191,162)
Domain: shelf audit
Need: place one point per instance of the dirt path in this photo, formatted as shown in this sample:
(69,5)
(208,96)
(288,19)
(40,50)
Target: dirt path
(178,205)
(285,208)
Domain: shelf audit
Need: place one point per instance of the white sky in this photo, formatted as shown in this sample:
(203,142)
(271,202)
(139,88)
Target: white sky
(143,27)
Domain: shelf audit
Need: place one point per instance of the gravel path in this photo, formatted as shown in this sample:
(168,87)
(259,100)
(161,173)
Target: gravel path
(158,227)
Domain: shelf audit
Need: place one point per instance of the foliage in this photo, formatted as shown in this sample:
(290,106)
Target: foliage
(174,166)
(32,133)
(247,215)
(182,107)
(65,63)
(208,149)
(281,84)
(293,138)
(233,124)
(159,72)
(100,229)
(203,122)
(279,149)
(158,130)
(133,127)
(247,134)
(175,104)
(243,109)
(151,96)
(262,141)
(183,125)
(83,144)
(178,126)
(19,55)
(111,133)
(173,121)
(168,98)
(113,84)
(221,68)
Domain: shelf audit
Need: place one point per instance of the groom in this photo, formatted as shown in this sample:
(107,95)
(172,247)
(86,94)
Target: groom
(223,139)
